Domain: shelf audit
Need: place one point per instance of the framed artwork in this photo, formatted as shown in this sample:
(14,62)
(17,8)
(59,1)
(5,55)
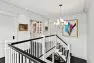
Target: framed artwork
(23,27)
(46,28)
(70,28)
(36,26)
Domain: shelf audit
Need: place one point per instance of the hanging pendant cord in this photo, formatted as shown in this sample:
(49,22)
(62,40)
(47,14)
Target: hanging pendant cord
(60,9)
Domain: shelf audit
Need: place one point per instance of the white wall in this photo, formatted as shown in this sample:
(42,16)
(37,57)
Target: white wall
(21,16)
(90,29)
(78,45)
(10,17)
(6,31)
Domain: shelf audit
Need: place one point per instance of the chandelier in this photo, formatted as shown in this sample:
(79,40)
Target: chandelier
(60,21)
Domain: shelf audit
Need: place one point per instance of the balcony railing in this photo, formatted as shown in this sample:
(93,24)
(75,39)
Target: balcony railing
(37,50)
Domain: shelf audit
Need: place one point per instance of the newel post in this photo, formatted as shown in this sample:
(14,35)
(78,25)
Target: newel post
(69,57)
(43,47)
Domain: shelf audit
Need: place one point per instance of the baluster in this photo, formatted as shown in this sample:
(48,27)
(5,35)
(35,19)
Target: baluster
(29,53)
(31,47)
(16,57)
(62,50)
(41,49)
(25,57)
(9,55)
(38,49)
(27,60)
(45,46)
(12,56)
(35,49)
(21,58)
(69,46)
(50,45)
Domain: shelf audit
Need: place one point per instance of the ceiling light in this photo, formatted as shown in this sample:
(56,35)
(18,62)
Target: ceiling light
(60,21)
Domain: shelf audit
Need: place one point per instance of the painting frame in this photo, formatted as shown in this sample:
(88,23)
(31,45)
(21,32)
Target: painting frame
(23,27)
(71,31)
(46,28)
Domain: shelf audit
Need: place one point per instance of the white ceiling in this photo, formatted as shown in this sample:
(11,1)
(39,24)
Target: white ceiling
(50,7)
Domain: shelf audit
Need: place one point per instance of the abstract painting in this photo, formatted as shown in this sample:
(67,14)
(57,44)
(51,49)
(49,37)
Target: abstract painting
(70,28)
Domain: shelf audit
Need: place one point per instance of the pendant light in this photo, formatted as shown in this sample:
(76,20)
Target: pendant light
(59,21)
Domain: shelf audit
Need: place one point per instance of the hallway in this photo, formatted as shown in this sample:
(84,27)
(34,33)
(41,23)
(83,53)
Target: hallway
(25,26)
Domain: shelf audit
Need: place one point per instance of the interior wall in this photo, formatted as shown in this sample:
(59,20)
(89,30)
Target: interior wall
(78,45)
(6,31)
(90,29)
(22,16)
(10,17)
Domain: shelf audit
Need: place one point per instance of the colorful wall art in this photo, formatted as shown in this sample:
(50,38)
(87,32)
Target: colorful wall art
(70,28)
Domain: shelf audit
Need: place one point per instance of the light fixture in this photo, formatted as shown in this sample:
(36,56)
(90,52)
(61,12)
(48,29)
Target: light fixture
(60,21)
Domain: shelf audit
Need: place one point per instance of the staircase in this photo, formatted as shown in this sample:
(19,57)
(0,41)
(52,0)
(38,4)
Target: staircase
(46,49)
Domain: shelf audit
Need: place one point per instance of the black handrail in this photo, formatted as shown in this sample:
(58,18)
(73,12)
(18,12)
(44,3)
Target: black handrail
(33,58)
(30,40)
(25,41)
(29,55)
(50,35)
(61,40)
(37,39)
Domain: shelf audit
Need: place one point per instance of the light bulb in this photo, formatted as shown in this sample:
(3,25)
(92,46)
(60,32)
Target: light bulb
(58,22)
(61,20)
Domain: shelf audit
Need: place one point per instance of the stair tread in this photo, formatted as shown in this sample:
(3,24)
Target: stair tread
(57,58)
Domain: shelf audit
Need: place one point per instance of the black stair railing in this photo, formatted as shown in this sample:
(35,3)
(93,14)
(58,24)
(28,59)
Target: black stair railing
(22,54)
(31,50)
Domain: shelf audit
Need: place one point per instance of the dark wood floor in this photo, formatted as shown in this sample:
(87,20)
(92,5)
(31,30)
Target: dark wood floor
(77,60)
(2,60)
(73,60)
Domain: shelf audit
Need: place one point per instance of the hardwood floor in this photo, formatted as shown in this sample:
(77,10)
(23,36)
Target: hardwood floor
(77,60)
(73,60)
(2,60)
(57,59)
